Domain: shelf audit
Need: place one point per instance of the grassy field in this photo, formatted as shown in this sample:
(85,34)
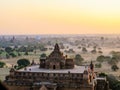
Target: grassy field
(3,73)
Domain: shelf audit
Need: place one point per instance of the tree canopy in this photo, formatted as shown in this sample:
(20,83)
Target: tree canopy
(2,64)
(84,50)
(23,62)
(78,59)
(43,55)
(113,61)
(113,82)
(102,58)
(114,67)
(13,54)
(8,49)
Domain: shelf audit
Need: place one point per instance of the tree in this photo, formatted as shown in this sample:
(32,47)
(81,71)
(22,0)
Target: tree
(115,55)
(79,47)
(26,53)
(8,49)
(23,62)
(114,67)
(15,66)
(22,49)
(42,48)
(98,65)
(117,86)
(112,81)
(19,54)
(100,52)
(100,58)
(102,75)
(30,48)
(13,54)
(94,51)
(102,38)
(2,64)
(1,51)
(78,59)
(107,58)
(77,42)
(7,56)
(84,50)
(71,51)
(43,55)
(113,61)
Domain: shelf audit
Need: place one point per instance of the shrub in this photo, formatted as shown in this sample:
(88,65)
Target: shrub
(13,54)
(98,65)
(2,64)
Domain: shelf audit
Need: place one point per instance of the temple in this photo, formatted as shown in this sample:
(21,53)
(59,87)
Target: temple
(56,72)
(56,60)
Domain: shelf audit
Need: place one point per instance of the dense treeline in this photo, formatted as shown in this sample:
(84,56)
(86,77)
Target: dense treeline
(114,84)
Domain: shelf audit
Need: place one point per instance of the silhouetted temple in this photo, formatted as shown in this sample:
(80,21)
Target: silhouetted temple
(56,72)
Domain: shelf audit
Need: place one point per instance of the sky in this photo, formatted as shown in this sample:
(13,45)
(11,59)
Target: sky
(59,17)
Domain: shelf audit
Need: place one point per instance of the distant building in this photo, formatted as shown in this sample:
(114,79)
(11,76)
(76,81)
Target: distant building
(56,72)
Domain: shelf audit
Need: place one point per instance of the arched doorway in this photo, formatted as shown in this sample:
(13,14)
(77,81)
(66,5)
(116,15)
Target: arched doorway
(54,67)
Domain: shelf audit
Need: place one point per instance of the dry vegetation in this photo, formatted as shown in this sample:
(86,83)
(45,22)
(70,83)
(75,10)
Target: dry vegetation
(107,44)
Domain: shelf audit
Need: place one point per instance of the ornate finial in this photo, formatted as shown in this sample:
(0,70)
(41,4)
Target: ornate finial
(91,66)
(56,48)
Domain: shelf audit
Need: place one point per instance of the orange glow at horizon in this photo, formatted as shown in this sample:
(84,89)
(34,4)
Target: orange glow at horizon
(40,17)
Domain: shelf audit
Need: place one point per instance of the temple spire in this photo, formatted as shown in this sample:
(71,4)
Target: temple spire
(91,66)
(56,48)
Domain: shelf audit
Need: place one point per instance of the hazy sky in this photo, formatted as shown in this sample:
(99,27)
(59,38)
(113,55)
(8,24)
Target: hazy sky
(59,17)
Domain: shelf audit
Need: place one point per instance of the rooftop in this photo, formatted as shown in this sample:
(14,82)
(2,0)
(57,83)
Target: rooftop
(76,69)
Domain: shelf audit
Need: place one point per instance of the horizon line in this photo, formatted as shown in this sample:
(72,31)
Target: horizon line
(57,34)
